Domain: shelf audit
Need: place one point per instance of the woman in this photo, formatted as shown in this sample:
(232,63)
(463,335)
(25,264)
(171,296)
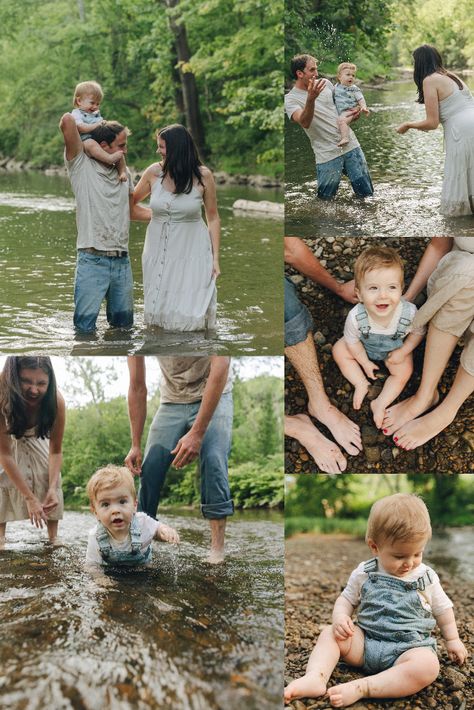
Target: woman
(32,415)
(181,255)
(448,267)
(447,99)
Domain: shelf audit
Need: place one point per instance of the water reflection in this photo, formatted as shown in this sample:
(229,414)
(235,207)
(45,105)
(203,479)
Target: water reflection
(38,257)
(183,635)
(407,172)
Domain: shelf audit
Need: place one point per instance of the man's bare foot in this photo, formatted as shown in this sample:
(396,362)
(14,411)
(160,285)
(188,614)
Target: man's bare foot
(215,557)
(360,390)
(344,430)
(378,410)
(343,142)
(399,414)
(326,454)
(340,696)
(123,177)
(419,431)
(308,686)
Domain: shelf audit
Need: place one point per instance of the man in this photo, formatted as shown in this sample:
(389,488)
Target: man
(310,103)
(301,352)
(194,420)
(104,207)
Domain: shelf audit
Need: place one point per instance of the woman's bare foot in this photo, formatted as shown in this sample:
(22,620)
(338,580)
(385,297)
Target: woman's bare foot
(2,543)
(308,686)
(341,696)
(344,430)
(399,414)
(378,407)
(326,454)
(215,557)
(360,390)
(419,431)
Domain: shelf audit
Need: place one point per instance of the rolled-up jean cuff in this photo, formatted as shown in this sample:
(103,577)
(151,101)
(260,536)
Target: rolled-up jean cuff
(216,511)
(298,320)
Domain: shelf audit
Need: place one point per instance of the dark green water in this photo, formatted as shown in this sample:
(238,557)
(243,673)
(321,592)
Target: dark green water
(407,172)
(37,262)
(184,635)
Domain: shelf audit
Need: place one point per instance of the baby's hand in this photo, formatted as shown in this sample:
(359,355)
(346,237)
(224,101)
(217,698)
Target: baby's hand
(366,111)
(369,369)
(343,627)
(396,357)
(457,651)
(166,533)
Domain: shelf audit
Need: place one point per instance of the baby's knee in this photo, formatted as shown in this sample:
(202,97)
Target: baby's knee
(340,350)
(430,669)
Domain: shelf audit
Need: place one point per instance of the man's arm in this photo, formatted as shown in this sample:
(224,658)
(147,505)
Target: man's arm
(72,140)
(300,257)
(188,447)
(137,394)
(138,212)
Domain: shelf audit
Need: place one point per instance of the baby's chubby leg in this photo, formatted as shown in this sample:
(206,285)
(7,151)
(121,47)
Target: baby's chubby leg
(343,122)
(400,373)
(323,660)
(94,150)
(352,371)
(413,671)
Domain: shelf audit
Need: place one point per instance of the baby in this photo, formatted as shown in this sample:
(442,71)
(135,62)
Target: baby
(347,97)
(399,601)
(378,328)
(121,537)
(86,113)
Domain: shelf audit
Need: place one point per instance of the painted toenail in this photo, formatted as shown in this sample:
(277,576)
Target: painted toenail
(395,438)
(385,431)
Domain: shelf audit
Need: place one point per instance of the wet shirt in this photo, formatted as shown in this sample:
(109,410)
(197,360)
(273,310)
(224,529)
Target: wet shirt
(102,204)
(323,132)
(183,379)
(433,597)
(148,527)
(351,329)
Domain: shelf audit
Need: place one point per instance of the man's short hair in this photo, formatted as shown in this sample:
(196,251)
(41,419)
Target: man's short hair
(108,131)
(88,88)
(345,65)
(299,62)
(376,258)
(109,476)
(398,518)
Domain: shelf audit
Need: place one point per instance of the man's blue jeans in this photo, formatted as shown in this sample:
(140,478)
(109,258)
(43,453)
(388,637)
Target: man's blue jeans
(171,422)
(352,164)
(99,277)
(298,319)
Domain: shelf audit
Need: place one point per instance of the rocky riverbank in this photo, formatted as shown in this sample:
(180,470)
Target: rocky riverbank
(316,569)
(451,451)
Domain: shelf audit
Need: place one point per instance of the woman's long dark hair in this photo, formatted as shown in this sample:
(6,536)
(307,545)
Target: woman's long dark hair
(12,403)
(182,161)
(427,61)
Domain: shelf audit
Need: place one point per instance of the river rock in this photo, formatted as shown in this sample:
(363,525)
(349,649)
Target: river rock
(372,454)
(369,434)
(455,678)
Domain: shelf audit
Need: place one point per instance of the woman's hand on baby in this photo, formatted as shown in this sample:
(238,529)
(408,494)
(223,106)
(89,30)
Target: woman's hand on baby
(165,533)
(369,370)
(457,651)
(396,357)
(343,627)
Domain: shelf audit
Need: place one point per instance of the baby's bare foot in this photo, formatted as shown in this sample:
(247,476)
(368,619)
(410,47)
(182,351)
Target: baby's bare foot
(378,410)
(308,686)
(123,177)
(360,391)
(344,430)
(399,414)
(340,696)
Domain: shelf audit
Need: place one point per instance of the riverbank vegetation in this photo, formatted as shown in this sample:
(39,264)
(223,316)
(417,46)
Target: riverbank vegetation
(215,66)
(341,504)
(99,433)
(379,35)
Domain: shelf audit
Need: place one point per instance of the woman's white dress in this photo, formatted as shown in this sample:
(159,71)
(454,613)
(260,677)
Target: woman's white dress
(456,113)
(31,455)
(177,260)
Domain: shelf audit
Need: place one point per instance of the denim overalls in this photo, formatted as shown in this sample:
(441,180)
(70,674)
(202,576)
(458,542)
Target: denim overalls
(392,617)
(132,557)
(379,346)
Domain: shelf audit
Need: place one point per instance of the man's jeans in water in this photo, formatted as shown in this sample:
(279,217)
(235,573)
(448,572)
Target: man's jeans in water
(352,164)
(171,422)
(99,277)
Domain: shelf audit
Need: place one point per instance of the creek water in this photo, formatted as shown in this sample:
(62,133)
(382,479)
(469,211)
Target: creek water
(183,635)
(37,261)
(449,549)
(407,172)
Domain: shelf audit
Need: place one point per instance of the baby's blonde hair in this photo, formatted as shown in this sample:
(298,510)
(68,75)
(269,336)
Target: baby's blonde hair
(400,517)
(376,258)
(345,65)
(88,88)
(109,476)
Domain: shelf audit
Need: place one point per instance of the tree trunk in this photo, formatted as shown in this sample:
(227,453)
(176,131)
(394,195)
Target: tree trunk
(188,81)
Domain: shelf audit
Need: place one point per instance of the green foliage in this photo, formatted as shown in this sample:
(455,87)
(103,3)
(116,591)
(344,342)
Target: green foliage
(128,46)
(327,526)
